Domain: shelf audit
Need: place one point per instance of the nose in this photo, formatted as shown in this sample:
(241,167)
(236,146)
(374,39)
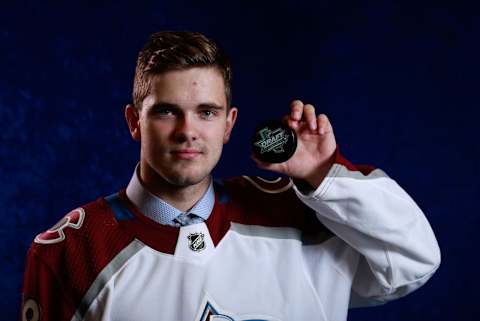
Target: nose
(185,129)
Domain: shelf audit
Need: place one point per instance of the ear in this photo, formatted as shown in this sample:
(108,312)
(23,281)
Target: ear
(231,118)
(133,121)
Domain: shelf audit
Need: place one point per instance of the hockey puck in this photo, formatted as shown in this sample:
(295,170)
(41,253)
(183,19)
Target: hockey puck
(274,142)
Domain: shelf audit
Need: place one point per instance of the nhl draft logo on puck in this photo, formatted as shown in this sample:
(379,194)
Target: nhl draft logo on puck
(274,142)
(196,242)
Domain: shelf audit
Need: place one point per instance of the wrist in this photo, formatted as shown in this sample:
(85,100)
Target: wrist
(317,177)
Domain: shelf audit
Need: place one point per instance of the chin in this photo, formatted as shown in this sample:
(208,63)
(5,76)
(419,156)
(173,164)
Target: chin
(186,180)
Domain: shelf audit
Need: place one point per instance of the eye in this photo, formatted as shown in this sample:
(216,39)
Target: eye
(207,113)
(165,111)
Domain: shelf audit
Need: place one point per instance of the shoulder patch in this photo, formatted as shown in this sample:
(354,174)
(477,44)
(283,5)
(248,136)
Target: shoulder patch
(278,185)
(31,310)
(56,234)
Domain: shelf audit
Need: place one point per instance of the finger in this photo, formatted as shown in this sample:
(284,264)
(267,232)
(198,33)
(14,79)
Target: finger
(309,116)
(290,122)
(296,110)
(323,124)
(293,124)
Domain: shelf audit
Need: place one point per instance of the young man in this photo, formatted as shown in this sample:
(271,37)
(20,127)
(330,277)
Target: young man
(178,245)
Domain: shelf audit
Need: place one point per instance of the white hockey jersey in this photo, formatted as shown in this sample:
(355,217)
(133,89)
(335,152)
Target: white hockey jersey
(267,252)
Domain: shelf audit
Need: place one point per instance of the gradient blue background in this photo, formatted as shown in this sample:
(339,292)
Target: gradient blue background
(398,80)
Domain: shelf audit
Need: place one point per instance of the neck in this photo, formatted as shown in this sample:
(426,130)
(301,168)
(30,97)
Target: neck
(181,197)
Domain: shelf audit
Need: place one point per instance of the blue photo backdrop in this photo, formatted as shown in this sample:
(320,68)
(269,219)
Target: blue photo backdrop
(399,81)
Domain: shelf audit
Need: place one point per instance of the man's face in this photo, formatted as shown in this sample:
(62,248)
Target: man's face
(184,123)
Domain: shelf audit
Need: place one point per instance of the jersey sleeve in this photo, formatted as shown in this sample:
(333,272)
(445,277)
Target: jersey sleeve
(44,298)
(370,212)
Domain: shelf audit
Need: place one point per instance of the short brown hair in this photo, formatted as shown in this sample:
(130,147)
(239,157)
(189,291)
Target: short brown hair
(177,50)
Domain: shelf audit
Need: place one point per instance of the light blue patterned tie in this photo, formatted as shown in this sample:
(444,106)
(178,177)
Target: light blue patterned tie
(187,218)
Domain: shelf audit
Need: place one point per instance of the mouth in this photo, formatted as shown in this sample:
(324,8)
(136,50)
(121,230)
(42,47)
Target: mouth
(186,153)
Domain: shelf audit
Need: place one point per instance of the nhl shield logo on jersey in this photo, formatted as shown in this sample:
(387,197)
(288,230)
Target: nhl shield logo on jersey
(196,242)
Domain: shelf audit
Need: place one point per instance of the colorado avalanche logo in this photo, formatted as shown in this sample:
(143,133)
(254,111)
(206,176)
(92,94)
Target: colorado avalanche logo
(56,234)
(196,241)
(211,312)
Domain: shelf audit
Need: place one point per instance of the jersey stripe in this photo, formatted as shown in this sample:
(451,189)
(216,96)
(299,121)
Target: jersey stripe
(102,279)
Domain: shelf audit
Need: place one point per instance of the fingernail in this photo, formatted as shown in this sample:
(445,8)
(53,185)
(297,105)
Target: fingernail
(322,131)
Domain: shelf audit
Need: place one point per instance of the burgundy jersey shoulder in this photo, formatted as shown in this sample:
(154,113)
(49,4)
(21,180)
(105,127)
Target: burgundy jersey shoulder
(255,200)
(87,230)
(340,159)
(67,258)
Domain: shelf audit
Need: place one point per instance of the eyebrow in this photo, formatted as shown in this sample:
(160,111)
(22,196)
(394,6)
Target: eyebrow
(209,105)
